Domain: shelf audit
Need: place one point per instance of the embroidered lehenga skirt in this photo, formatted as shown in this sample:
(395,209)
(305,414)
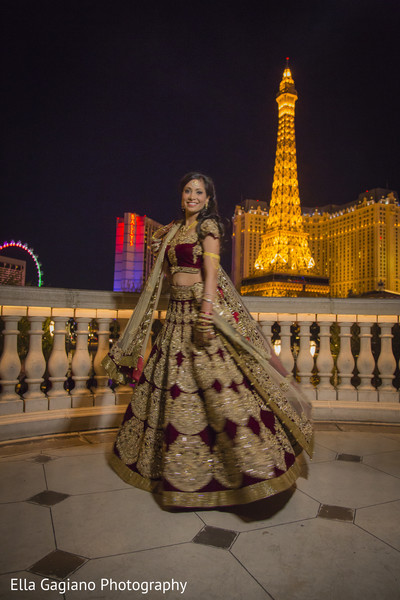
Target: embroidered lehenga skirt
(201,429)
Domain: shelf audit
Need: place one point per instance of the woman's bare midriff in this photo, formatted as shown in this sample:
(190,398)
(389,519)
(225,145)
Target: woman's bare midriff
(186,278)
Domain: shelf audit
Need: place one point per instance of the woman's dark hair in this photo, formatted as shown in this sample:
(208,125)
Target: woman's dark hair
(209,212)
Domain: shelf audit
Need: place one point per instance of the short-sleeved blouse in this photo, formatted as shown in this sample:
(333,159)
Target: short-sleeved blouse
(185,253)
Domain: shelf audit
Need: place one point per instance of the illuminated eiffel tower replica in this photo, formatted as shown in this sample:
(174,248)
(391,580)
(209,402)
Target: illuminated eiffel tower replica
(284,266)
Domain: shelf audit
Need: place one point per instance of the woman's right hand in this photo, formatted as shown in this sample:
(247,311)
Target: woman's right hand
(202,339)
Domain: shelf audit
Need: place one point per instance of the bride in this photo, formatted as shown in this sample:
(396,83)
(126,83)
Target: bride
(213,421)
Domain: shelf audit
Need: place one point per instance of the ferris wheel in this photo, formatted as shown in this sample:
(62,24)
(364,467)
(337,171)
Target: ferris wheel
(31,253)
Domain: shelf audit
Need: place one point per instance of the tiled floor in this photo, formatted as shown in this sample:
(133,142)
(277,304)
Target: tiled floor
(67,521)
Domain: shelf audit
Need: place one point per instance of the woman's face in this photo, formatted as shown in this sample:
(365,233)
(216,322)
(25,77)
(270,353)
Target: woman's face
(194,197)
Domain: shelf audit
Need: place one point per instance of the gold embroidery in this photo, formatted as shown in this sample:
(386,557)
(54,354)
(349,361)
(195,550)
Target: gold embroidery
(129,440)
(186,413)
(225,467)
(190,389)
(210,227)
(250,493)
(188,463)
(254,457)
(149,463)
(197,251)
(184,235)
(177,269)
(140,400)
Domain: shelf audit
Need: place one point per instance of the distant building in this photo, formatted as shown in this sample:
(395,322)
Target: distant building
(249,225)
(357,245)
(12,271)
(133,257)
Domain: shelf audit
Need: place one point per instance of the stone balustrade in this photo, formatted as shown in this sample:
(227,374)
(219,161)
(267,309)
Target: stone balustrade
(352,375)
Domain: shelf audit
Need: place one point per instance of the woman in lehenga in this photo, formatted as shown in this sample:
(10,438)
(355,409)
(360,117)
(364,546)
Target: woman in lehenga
(213,421)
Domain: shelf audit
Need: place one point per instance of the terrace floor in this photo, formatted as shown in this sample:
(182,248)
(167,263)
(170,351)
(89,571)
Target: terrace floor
(66,518)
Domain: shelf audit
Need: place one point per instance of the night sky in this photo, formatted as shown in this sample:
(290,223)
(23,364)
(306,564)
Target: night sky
(106,104)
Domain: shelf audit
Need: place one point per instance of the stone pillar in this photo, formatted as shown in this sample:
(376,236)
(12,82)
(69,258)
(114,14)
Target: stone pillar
(365,362)
(286,356)
(386,360)
(81,362)
(10,364)
(266,321)
(103,395)
(305,361)
(58,362)
(325,390)
(345,362)
(123,393)
(35,364)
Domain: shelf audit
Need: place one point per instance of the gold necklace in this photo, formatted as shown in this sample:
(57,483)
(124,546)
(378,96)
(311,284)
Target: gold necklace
(187,227)
(182,232)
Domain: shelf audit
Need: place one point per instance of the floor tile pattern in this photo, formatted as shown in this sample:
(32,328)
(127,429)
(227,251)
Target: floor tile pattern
(42,458)
(349,457)
(215,536)
(58,564)
(48,498)
(66,516)
(338,513)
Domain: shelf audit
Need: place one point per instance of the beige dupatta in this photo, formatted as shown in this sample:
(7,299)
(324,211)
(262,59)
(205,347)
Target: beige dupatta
(125,359)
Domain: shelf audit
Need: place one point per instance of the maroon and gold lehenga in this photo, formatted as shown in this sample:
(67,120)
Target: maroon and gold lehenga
(209,426)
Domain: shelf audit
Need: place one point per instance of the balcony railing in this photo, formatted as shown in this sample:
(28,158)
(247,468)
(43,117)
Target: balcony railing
(343,352)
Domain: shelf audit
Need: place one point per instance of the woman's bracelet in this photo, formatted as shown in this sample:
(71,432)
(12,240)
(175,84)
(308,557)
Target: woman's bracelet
(204,328)
(204,321)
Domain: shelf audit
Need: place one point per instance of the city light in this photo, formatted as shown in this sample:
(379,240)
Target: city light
(31,253)
(277,347)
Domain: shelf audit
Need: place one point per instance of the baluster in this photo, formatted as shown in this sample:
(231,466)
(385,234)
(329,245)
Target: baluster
(266,326)
(386,360)
(10,364)
(305,361)
(81,364)
(325,390)
(103,395)
(345,361)
(286,356)
(123,393)
(58,364)
(365,361)
(35,364)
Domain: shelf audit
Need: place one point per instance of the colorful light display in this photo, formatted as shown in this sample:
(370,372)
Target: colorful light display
(133,257)
(31,253)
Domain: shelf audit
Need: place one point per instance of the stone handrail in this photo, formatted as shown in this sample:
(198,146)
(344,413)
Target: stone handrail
(341,383)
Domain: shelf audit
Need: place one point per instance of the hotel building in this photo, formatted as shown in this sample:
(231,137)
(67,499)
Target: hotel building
(356,245)
(133,256)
